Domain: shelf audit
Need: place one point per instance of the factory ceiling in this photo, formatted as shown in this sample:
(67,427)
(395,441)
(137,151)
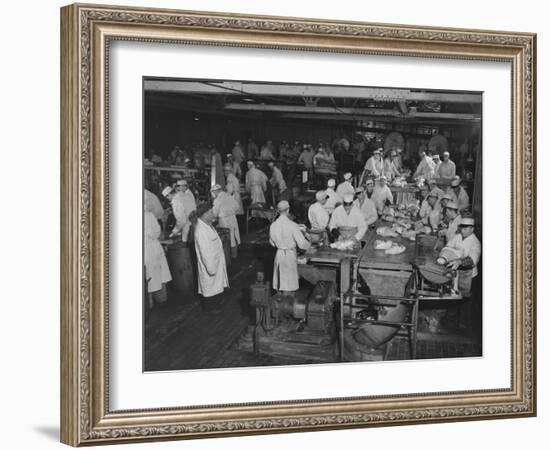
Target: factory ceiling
(314,102)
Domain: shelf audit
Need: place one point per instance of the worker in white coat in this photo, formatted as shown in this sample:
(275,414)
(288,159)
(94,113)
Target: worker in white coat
(459,194)
(233,188)
(366,206)
(468,248)
(235,165)
(317,214)
(447,168)
(333,199)
(188,198)
(278,182)
(382,194)
(224,209)
(432,214)
(211,265)
(256,183)
(374,167)
(453,218)
(157,273)
(151,203)
(347,215)
(182,225)
(425,168)
(345,187)
(390,171)
(285,235)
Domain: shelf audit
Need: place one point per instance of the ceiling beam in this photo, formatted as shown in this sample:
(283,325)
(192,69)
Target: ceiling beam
(313,109)
(295,90)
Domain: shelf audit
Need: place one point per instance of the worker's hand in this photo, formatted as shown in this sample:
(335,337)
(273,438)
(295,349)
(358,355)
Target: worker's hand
(455,264)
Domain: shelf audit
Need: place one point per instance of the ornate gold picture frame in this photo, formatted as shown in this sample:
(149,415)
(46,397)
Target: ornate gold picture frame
(86,34)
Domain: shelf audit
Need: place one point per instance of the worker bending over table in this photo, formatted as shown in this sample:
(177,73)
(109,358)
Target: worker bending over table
(347,215)
(317,214)
(224,209)
(286,235)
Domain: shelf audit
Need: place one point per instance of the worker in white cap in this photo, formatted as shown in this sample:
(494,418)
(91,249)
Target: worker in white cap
(256,183)
(345,187)
(278,183)
(151,203)
(189,201)
(181,215)
(366,205)
(431,216)
(347,215)
(211,264)
(237,171)
(432,185)
(466,244)
(157,272)
(285,235)
(390,171)
(317,214)
(224,209)
(374,167)
(382,195)
(233,187)
(447,168)
(238,153)
(453,219)
(426,166)
(459,194)
(333,199)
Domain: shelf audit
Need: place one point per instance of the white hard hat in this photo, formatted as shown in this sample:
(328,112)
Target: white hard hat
(348,198)
(467,222)
(369,181)
(455,182)
(320,195)
(182,183)
(283,205)
(452,205)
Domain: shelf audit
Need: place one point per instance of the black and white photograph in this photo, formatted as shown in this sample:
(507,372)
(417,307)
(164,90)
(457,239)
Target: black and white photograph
(291,224)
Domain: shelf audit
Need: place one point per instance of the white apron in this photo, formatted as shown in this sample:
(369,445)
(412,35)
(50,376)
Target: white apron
(212,269)
(156,266)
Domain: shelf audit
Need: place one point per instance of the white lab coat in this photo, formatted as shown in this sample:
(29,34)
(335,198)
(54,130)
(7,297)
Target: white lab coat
(156,266)
(256,185)
(453,228)
(285,235)
(318,216)
(333,200)
(224,208)
(432,215)
(425,168)
(379,196)
(212,269)
(181,214)
(344,188)
(368,209)
(152,204)
(277,180)
(233,188)
(446,169)
(340,218)
(462,200)
(374,166)
(469,247)
(390,171)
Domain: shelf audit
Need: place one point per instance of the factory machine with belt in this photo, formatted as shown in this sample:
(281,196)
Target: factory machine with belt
(361,299)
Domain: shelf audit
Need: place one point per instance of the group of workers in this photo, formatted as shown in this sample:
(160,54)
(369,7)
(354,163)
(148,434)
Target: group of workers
(336,207)
(345,206)
(192,222)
